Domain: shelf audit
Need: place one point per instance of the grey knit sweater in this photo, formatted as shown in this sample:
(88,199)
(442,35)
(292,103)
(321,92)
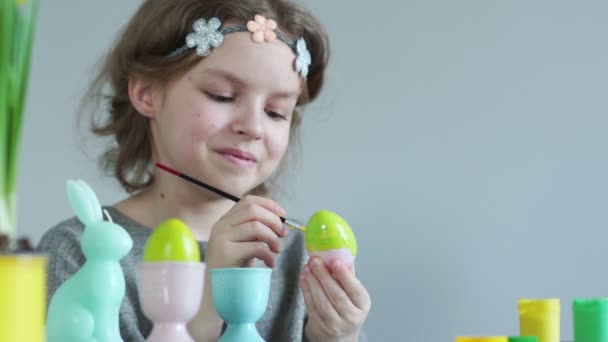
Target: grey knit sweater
(283,320)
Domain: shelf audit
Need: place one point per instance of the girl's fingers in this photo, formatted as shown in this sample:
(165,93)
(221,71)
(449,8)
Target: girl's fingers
(310,303)
(251,229)
(253,208)
(352,286)
(255,231)
(333,288)
(246,251)
(323,304)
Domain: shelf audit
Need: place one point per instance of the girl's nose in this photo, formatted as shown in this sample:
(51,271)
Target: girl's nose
(249,123)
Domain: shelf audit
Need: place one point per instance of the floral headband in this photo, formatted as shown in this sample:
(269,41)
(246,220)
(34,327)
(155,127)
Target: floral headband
(208,34)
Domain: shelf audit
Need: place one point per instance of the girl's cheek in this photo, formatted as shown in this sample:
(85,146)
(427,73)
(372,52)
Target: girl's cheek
(203,127)
(278,144)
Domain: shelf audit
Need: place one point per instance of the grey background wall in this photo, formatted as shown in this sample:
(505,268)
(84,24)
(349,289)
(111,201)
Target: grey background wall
(465,141)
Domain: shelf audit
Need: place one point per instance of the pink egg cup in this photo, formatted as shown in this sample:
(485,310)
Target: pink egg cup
(170,295)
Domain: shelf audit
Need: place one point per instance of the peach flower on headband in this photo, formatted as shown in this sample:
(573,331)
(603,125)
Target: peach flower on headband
(262,28)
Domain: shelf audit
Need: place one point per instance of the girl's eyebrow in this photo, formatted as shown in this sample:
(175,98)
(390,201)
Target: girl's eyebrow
(232,78)
(227,76)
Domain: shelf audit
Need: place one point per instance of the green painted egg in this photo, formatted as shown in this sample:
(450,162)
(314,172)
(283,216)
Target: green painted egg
(330,237)
(172,240)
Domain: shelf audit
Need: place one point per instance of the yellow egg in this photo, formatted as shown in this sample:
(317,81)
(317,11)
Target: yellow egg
(172,240)
(330,237)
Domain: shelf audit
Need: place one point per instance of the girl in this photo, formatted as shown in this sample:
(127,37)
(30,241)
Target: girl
(215,89)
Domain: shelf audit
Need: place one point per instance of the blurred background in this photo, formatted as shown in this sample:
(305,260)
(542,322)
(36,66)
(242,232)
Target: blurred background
(464,141)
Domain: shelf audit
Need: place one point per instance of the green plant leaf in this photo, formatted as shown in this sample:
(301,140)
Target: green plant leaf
(25,28)
(17,28)
(6,24)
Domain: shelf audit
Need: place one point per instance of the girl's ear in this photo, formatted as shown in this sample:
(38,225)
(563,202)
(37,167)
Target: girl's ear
(144,97)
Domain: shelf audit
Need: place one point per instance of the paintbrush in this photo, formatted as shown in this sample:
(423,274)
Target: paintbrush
(290,223)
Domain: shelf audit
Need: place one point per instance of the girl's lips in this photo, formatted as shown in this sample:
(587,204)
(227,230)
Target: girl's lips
(238,157)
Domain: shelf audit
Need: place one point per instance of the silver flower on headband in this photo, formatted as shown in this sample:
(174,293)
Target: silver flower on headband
(205,36)
(209,34)
(303,58)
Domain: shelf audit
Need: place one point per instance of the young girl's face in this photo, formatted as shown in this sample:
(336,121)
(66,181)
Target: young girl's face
(227,120)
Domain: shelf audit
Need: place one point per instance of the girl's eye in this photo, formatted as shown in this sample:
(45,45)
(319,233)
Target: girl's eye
(275,115)
(219,98)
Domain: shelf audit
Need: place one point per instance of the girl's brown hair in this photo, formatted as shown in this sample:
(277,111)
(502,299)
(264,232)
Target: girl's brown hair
(142,49)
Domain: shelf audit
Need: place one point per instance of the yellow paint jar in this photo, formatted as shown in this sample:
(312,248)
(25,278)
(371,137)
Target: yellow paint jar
(540,317)
(22,297)
(482,339)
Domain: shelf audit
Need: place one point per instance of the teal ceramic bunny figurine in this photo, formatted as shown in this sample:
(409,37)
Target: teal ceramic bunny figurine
(86,306)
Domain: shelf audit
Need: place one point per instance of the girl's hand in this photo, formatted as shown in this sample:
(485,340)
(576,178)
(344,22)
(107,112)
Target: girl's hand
(251,229)
(336,301)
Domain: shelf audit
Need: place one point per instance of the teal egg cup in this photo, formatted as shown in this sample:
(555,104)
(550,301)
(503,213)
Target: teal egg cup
(240,296)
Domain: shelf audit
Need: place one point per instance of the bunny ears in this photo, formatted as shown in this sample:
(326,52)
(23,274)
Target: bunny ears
(209,34)
(84,202)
